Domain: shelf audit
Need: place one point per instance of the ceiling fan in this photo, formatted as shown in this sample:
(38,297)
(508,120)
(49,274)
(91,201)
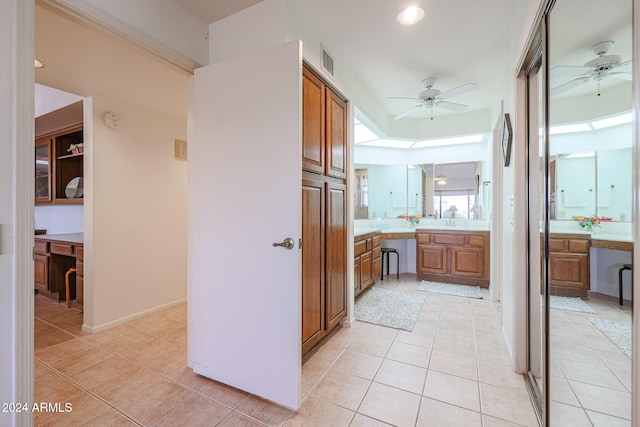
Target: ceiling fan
(596,69)
(430,98)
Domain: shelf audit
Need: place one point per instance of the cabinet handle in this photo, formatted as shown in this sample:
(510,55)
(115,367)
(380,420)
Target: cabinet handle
(286,243)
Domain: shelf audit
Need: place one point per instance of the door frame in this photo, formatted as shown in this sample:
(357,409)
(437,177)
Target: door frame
(16,230)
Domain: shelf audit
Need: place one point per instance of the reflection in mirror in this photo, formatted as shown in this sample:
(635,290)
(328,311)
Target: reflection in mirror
(456,190)
(597,161)
(432,191)
(589,105)
(614,190)
(387,191)
(576,184)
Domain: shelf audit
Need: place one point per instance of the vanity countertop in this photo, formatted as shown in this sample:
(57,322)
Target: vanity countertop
(402,231)
(77,238)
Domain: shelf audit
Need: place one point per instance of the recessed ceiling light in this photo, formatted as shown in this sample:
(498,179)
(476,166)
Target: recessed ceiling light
(37,64)
(410,15)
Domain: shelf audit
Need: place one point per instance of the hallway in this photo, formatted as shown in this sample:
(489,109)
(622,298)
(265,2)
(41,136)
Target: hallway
(452,370)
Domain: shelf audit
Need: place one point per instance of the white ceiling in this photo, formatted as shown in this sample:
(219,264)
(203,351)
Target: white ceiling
(458,41)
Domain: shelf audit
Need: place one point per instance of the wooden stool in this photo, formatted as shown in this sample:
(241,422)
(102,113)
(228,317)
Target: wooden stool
(623,268)
(66,284)
(386,252)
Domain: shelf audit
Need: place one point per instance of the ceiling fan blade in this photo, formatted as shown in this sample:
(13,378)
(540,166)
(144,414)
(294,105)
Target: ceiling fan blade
(569,71)
(621,75)
(568,85)
(406,113)
(622,64)
(451,106)
(458,90)
(404,97)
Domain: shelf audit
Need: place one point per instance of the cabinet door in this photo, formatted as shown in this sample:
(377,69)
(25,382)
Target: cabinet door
(569,270)
(467,262)
(43,171)
(375,266)
(336,254)
(313,127)
(313,237)
(432,259)
(336,133)
(366,270)
(357,278)
(41,272)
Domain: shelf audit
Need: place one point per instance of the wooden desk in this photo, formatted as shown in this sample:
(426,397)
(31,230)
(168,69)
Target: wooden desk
(53,255)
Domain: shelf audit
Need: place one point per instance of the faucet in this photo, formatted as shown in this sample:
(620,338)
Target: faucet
(450,222)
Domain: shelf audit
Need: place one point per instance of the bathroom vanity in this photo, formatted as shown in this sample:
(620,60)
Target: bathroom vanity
(453,256)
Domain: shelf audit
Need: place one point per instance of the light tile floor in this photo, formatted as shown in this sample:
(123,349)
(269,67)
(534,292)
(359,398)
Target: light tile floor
(590,377)
(452,370)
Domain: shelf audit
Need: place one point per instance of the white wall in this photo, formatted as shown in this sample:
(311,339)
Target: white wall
(135,213)
(58,219)
(162,25)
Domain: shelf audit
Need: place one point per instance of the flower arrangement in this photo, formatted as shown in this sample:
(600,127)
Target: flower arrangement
(590,223)
(411,219)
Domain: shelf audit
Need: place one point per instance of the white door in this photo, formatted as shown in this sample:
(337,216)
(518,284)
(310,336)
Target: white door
(244,297)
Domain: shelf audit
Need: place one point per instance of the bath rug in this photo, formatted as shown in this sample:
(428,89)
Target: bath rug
(570,304)
(617,332)
(450,289)
(388,307)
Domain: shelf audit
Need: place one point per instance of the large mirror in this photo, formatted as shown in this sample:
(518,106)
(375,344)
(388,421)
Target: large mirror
(450,190)
(589,173)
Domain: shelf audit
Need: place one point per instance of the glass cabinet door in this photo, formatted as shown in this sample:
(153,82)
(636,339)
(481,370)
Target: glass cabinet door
(43,170)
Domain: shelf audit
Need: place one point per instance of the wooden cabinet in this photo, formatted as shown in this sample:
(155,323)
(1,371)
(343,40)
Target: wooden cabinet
(52,258)
(450,256)
(324,258)
(56,162)
(569,265)
(324,210)
(367,260)
(324,128)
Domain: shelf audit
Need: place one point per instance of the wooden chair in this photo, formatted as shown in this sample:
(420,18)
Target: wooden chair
(66,284)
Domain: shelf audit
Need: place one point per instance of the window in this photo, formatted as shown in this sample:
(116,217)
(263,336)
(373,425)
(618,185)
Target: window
(463,202)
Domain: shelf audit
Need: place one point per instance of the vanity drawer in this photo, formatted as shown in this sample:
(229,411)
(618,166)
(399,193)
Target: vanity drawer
(376,240)
(423,237)
(449,239)
(40,247)
(360,248)
(62,248)
(581,246)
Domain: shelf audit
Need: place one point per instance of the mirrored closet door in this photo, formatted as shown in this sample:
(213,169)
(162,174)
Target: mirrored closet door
(580,181)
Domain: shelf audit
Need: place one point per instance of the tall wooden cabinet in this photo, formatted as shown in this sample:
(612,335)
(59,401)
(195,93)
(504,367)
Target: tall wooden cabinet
(324,209)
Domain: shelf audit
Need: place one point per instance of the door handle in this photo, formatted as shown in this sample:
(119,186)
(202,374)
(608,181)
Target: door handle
(286,243)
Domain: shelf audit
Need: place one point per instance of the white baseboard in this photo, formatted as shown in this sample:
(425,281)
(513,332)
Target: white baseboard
(91,330)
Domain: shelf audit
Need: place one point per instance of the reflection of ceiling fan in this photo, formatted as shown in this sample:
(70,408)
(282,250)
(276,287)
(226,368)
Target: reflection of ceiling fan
(440,179)
(431,97)
(596,69)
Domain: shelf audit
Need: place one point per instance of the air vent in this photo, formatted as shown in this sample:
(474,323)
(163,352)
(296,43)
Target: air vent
(327,61)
